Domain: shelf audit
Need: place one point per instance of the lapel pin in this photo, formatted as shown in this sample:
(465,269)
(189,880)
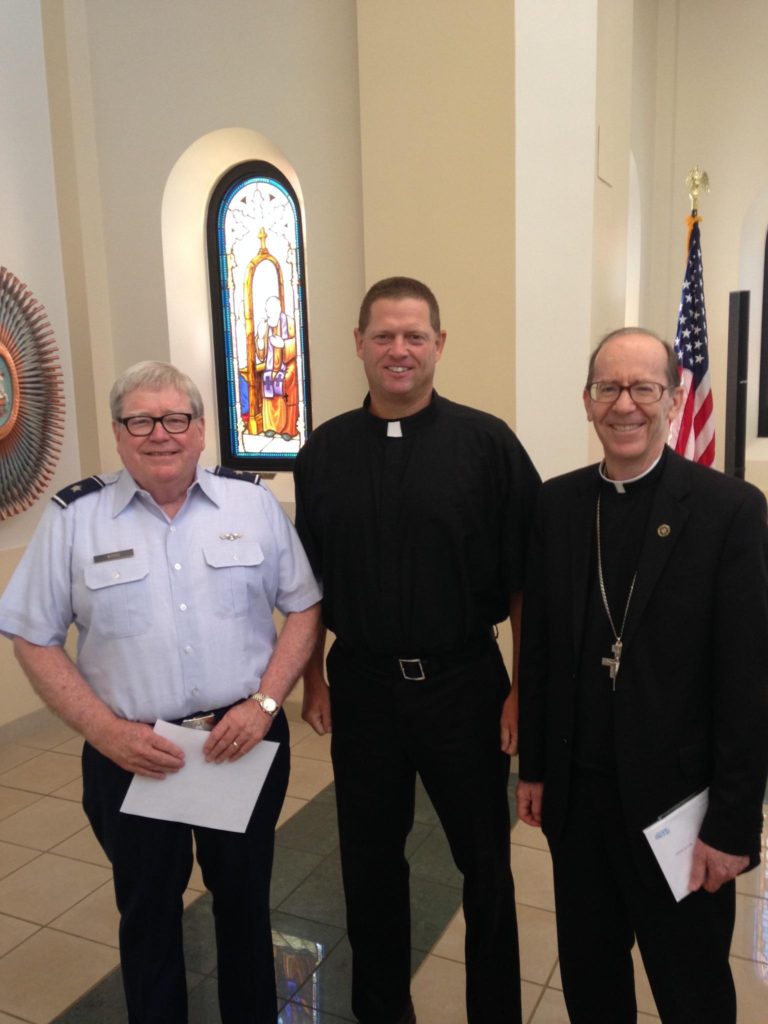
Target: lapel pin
(664,530)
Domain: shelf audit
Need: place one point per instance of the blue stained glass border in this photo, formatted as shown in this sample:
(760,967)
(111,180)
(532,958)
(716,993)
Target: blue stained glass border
(227,388)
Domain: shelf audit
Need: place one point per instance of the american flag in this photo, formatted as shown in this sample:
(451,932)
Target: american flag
(693,432)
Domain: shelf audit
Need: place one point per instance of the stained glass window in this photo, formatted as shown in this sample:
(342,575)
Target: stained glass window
(258,303)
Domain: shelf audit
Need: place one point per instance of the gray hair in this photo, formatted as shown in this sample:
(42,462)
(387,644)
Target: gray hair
(673,365)
(153,376)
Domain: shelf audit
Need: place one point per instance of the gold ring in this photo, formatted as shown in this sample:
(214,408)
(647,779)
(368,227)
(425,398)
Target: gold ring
(235,744)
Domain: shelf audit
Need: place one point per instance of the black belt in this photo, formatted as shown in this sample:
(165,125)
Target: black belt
(416,670)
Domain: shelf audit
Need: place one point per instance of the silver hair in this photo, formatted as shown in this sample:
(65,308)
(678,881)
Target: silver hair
(153,376)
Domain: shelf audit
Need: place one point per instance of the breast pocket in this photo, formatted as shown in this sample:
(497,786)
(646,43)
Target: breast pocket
(120,597)
(237,567)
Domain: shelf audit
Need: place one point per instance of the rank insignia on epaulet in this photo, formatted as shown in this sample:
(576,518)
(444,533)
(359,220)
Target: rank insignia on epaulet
(69,494)
(237,474)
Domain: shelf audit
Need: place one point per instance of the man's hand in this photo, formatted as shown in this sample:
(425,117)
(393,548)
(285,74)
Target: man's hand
(529,799)
(239,731)
(509,714)
(316,703)
(316,706)
(138,748)
(713,868)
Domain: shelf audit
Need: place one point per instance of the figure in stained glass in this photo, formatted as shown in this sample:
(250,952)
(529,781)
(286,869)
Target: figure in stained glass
(259,299)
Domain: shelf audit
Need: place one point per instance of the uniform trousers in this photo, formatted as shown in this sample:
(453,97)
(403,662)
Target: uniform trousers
(152,863)
(609,891)
(446,728)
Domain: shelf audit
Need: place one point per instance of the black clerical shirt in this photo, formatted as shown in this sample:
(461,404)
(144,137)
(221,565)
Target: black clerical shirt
(417,528)
(623,523)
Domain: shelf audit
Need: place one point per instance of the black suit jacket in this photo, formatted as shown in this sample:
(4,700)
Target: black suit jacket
(691,701)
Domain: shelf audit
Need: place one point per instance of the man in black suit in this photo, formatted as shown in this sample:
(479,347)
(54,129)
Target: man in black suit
(642,682)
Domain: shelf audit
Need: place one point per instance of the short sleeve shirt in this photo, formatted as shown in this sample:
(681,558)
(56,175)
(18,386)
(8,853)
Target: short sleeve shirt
(172,615)
(416,527)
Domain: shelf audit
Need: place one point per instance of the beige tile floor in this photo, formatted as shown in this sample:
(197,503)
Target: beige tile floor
(438,986)
(58,923)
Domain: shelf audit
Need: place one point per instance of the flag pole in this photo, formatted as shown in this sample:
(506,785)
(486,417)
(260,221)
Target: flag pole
(692,434)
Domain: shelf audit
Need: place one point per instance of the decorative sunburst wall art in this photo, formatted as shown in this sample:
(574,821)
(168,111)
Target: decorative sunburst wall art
(31,397)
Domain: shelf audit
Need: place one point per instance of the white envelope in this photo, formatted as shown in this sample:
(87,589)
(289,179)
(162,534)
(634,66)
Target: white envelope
(672,839)
(211,795)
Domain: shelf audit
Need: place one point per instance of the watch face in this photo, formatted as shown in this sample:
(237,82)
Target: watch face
(269,705)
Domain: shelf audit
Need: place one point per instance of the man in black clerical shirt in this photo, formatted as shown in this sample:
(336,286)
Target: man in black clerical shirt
(414,512)
(643,676)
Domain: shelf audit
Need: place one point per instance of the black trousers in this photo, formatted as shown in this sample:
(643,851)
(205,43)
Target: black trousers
(446,728)
(152,862)
(609,892)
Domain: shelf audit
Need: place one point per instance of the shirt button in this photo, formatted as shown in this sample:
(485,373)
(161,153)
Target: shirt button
(115,575)
(182,607)
(234,558)
(188,649)
(177,566)
(172,529)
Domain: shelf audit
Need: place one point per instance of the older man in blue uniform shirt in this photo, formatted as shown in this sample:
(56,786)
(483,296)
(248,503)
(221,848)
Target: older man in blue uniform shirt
(170,575)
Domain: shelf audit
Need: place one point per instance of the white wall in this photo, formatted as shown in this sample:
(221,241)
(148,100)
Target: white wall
(29,239)
(29,249)
(555,148)
(654,42)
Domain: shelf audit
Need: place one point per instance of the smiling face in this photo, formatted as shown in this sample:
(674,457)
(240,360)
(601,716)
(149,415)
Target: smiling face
(399,349)
(161,463)
(632,435)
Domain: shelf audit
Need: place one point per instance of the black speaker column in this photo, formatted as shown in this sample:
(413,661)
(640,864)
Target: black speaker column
(736,386)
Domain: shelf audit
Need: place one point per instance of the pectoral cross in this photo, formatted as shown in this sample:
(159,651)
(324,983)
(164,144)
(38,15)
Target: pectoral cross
(612,664)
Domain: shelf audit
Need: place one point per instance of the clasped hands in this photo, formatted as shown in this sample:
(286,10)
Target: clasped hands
(137,748)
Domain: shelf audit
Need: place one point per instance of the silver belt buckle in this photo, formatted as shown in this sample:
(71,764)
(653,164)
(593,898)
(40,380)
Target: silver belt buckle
(204,722)
(414,664)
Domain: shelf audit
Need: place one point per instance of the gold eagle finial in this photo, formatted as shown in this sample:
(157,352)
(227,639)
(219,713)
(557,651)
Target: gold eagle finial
(696,183)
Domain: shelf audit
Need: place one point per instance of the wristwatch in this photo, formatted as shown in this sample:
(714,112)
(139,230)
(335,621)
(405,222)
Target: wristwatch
(268,704)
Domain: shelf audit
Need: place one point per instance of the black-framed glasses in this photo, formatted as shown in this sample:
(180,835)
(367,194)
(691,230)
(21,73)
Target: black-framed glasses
(642,392)
(142,426)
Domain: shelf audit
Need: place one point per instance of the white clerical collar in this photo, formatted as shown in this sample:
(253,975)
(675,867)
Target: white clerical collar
(620,485)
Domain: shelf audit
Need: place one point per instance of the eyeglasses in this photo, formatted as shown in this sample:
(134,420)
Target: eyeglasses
(142,426)
(642,392)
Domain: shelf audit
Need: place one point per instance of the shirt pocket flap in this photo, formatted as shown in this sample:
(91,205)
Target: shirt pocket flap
(221,554)
(109,574)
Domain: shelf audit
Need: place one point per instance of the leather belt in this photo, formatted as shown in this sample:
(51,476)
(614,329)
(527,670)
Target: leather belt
(417,670)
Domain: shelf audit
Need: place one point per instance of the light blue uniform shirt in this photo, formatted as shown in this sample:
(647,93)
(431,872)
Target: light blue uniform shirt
(178,617)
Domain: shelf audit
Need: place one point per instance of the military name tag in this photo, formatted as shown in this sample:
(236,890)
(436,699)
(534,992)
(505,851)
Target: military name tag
(113,556)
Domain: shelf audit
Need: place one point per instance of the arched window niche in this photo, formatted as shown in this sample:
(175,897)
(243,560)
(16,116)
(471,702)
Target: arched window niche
(256,265)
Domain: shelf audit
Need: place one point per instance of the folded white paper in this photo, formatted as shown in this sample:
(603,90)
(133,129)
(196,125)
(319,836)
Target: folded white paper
(672,839)
(202,793)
